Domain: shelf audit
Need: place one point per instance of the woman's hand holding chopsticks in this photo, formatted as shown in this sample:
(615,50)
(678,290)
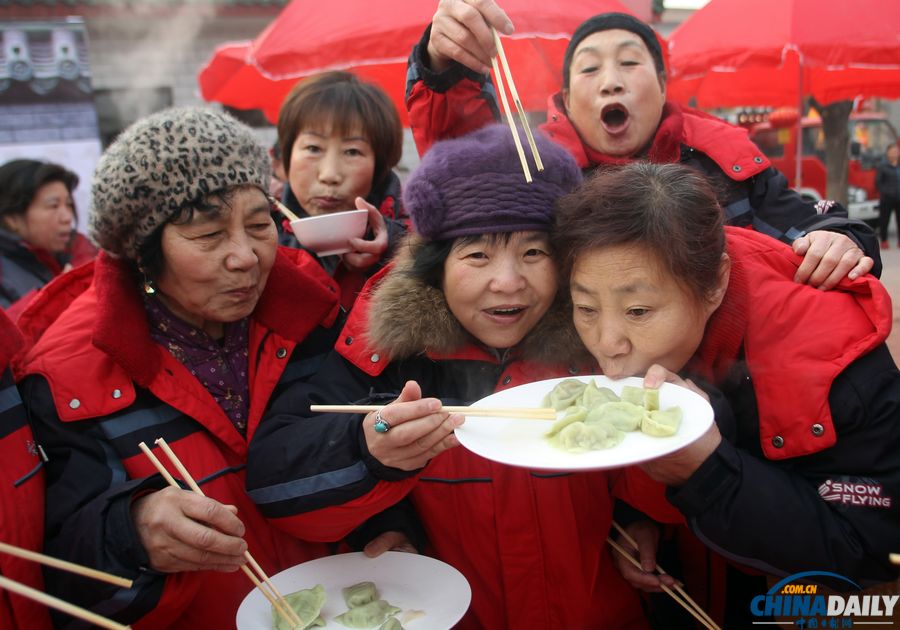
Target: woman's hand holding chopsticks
(461,31)
(183,531)
(646,534)
(411,430)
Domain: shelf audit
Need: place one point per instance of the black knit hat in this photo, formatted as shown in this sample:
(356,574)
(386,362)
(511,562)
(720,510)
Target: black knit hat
(608,22)
(474,185)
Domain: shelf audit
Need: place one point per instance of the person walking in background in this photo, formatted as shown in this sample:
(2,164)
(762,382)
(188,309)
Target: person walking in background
(612,109)
(340,139)
(38,240)
(887,181)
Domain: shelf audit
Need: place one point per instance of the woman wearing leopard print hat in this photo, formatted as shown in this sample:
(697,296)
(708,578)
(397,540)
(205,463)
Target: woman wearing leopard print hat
(188,321)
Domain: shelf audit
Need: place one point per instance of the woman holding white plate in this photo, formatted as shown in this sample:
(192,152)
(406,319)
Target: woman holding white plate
(468,306)
(806,394)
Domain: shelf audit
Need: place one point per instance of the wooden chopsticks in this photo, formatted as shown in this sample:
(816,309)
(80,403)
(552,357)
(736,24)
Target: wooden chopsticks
(687,603)
(283,209)
(528,413)
(55,602)
(275,597)
(60,604)
(71,567)
(498,79)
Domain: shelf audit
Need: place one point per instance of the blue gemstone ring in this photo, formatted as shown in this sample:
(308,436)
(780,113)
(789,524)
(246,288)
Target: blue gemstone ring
(381,425)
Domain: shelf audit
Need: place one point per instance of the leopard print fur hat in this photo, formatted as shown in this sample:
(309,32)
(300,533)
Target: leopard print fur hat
(161,164)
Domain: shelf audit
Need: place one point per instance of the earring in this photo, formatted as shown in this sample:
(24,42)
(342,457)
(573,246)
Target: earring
(149,287)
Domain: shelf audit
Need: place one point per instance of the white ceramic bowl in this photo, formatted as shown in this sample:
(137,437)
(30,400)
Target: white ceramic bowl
(329,234)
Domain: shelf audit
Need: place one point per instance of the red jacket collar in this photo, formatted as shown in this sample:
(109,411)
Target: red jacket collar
(120,326)
(728,146)
(764,307)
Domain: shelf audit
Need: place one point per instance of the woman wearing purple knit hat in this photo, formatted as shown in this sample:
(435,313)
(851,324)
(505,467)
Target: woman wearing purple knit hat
(468,306)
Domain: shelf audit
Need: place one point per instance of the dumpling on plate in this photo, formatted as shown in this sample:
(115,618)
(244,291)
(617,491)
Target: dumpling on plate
(662,423)
(307,604)
(369,615)
(580,437)
(593,396)
(360,594)
(625,416)
(643,396)
(564,394)
(571,414)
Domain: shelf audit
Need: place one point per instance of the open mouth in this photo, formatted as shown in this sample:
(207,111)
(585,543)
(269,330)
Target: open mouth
(506,312)
(614,117)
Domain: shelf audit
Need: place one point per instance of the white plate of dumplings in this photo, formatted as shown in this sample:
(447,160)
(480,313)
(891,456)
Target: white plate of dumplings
(523,442)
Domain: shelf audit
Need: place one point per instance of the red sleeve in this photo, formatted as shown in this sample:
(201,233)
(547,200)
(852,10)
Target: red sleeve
(638,490)
(455,112)
(335,522)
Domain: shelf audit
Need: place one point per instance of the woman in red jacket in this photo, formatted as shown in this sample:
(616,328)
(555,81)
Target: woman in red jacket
(468,307)
(183,328)
(612,109)
(805,391)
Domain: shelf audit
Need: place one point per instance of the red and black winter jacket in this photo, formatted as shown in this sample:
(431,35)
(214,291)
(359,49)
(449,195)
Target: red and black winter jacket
(21,494)
(752,193)
(531,544)
(96,386)
(812,402)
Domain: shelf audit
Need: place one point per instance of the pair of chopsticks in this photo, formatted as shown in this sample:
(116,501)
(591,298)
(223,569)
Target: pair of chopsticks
(279,603)
(498,79)
(677,594)
(283,209)
(55,602)
(528,413)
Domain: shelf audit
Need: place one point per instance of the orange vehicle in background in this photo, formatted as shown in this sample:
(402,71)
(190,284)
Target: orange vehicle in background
(870,135)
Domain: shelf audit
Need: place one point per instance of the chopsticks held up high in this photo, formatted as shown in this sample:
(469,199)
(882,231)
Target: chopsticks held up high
(528,413)
(498,79)
(279,603)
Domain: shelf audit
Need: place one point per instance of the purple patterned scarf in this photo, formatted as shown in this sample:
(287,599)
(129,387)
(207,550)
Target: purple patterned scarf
(221,366)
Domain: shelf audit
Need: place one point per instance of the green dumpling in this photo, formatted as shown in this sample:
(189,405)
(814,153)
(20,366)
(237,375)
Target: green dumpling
(625,416)
(571,414)
(307,604)
(633,395)
(580,437)
(662,423)
(593,396)
(368,615)
(564,394)
(360,594)
(651,399)
(391,624)
(643,396)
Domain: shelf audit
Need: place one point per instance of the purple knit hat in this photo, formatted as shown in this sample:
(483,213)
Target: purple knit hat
(474,185)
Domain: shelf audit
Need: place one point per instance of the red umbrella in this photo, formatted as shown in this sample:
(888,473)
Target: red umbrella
(373,39)
(774,52)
